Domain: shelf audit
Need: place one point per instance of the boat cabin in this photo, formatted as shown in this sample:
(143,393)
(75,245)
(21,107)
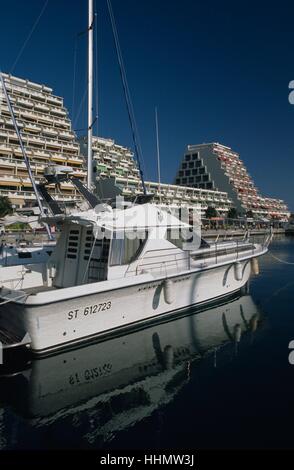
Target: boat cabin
(116,243)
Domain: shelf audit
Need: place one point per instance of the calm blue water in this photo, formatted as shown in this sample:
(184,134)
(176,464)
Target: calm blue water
(216,379)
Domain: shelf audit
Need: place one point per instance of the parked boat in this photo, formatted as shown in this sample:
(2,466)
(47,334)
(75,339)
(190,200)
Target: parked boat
(289,229)
(101,277)
(24,254)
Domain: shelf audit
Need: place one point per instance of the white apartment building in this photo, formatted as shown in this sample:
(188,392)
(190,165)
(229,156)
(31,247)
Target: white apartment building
(215,166)
(47,135)
(118,162)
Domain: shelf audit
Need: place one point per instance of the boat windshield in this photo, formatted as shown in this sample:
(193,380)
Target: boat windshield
(126,246)
(184,237)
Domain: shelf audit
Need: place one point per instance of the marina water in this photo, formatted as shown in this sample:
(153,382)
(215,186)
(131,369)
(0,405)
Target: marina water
(219,378)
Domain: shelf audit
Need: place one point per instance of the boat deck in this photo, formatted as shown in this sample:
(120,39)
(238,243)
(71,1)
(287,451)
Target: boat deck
(37,289)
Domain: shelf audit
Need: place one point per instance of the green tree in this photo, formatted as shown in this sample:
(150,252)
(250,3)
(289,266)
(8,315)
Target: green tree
(232,213)
(5,206)
(210,212)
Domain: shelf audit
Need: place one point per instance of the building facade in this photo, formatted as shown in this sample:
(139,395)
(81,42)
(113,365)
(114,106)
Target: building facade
(48,138)
(216,167)
(116,161)
(209,175)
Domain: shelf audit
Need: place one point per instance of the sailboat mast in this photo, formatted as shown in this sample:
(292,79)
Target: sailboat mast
(158,155)
(90,93)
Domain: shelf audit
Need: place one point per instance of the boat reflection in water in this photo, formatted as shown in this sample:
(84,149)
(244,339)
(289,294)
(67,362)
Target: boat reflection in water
(110,386)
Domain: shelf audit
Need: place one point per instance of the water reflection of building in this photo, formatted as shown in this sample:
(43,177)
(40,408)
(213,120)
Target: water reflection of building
(108,387)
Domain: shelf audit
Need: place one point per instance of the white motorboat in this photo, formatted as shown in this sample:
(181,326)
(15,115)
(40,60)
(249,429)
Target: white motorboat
(24,254)
(18,252)
(116,268)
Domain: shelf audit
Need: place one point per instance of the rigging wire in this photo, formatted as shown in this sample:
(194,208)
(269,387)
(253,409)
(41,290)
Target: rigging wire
(130,109)
(279,259)
(80,108)
(29,36)
(74,78)
(96,69)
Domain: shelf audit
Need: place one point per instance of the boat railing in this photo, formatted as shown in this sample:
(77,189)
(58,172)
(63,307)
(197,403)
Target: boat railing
(235,248)
(182,261)
(152,263)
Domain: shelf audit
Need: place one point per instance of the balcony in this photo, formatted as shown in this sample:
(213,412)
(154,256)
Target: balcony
(58,111)
(54,100)
(24,102)
(42,107)
(32,128)
(49,131)
(66,135)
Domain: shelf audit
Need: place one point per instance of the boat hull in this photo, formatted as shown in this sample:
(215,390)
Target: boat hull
(61,324)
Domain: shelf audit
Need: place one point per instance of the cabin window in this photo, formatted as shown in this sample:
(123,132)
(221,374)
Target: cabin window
(178,236)
(124,250)
(25,254)
(185,235)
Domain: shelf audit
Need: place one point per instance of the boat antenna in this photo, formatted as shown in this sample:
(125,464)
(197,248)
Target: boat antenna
(90,93)
(158,154)
(130,108)
(25,157)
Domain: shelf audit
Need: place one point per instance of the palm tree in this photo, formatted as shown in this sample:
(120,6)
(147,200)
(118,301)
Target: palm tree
(232,213)
(210,212)
(5,206)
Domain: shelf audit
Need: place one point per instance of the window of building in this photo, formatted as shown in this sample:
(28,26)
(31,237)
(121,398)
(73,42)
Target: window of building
(198,164)
(195,171)
(184,166)
(181,173)
(198,179)
(178,181)
(201,171)
(195,156)
(205,178)
(191,179)
(188,172)
(187,157)
(184,180)
(208,185)
(125,250)
(191,164)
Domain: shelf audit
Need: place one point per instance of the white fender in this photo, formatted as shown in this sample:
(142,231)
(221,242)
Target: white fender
(255,266)
(238,271)
(168,290)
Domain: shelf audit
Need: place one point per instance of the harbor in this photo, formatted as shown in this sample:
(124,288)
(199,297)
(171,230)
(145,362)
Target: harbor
(144,386)
(145,284)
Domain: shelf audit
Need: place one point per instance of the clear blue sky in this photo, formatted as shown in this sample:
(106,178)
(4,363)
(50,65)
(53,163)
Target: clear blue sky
(216,70)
